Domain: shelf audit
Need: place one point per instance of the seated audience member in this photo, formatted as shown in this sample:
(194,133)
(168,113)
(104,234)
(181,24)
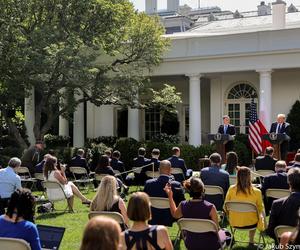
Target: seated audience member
(155,160)
(101,233)
(105,168)
(196,208)
(116,164)
(244,191)
(155,188)
(138,162)
(51,173)
(231,164)
(277,180)
(106,199)
(215,176)
(18,220)
(39,168)
(79,161)
(9,182)
(284,211)
(141,235)
(177,162)
(32,156)
(266,162)
(107,152)
(296,161)
(290,240)
(291,163)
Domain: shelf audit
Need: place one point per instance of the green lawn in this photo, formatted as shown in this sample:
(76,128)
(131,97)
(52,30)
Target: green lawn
(75,223)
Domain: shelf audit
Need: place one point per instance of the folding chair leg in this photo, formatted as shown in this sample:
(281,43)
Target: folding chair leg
(178,238)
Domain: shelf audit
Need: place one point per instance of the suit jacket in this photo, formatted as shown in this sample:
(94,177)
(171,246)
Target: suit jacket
(117,165)
(140,161)
(277,180)
(79,161)
(215,176)
(285,128)
(265,163)
(40,167)
(230,129)
(177,162)
(284,211)
(155,188)
(31,158)
(149,168)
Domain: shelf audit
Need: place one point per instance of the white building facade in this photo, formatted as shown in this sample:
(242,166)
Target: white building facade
(217,67)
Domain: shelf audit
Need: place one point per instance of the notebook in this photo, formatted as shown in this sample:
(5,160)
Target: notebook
(50,237)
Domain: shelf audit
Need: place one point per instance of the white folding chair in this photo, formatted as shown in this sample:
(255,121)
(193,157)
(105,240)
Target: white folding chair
(241,207)
(99,177)
(39,176)
(14,244)
(279,230)
(177,171)
(84,180)
(160,203)
(151,174)
(26,177)
(232,180)
(198,226)
(277,193)
(56,193)
(113,215)
(215,190)
(264,173)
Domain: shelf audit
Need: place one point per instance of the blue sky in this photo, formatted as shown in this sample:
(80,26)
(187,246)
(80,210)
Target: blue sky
(241,5)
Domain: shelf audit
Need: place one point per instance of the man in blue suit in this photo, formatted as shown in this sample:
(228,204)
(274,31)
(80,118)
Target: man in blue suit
(78,161)
(116,164)
(138,162)
(215,176)
(177,162)
(155,188)
(155,160)
(277,180)
(227,129)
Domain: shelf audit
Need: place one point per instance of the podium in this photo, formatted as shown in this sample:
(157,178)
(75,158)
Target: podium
(221,140)
(276,140)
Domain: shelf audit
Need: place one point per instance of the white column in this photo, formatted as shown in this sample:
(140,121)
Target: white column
(63,123)
(195,110)
(30,115)
(133,124)
(265,97)
(78,128)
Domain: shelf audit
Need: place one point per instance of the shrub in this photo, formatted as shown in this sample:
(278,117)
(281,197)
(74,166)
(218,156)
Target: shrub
(9,152)
(243,149)
(109,141)
(53,141)
(293,119)
(162,137)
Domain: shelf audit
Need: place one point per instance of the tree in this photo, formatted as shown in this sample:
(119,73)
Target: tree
(72,51)
(293,119)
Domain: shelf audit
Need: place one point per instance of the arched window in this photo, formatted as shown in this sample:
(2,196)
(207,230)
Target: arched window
(237,104)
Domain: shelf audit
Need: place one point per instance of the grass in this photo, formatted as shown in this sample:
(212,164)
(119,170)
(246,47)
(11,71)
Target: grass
(75,223)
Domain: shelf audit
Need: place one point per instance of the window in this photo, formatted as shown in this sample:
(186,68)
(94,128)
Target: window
(152,123)
(238,105)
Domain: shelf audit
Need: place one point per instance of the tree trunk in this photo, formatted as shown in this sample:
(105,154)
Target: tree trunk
(13,131)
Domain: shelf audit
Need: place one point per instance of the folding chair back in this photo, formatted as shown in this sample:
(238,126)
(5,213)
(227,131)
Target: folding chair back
(264,173)
(279,230)
(197,225)
(232,180)
(117,173)
(23,171)
(177,171)
(152,174)
(39,176)
(239,206)
(99,177)
(113,215)
(14,244)
(213,190)
(277,193)
(137,170)
(159,202)
(54,190)
(78,170)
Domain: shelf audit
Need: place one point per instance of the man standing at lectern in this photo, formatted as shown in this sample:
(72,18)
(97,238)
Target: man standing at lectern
(227,129)
(281,127)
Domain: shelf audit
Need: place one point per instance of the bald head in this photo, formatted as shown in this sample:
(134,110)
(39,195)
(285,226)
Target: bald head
(165,167)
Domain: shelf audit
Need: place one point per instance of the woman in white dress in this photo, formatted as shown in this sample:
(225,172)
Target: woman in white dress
(51,173)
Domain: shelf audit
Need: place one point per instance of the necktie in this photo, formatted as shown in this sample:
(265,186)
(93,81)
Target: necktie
(225,129)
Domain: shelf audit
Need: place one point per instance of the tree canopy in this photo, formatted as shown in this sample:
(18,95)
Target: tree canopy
(100,49)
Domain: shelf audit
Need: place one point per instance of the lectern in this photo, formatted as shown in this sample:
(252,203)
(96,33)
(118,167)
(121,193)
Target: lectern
(276,140)
(221,140)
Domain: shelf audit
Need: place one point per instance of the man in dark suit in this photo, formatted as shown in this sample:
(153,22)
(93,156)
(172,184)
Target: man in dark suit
(284,211)
(155,188)
(281,127)
(227,129)
(277,180)
(266,162)
(215,176)
(177,162)
(118,165)
(32,156)
(78,161)
(155,160)
(138,162)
